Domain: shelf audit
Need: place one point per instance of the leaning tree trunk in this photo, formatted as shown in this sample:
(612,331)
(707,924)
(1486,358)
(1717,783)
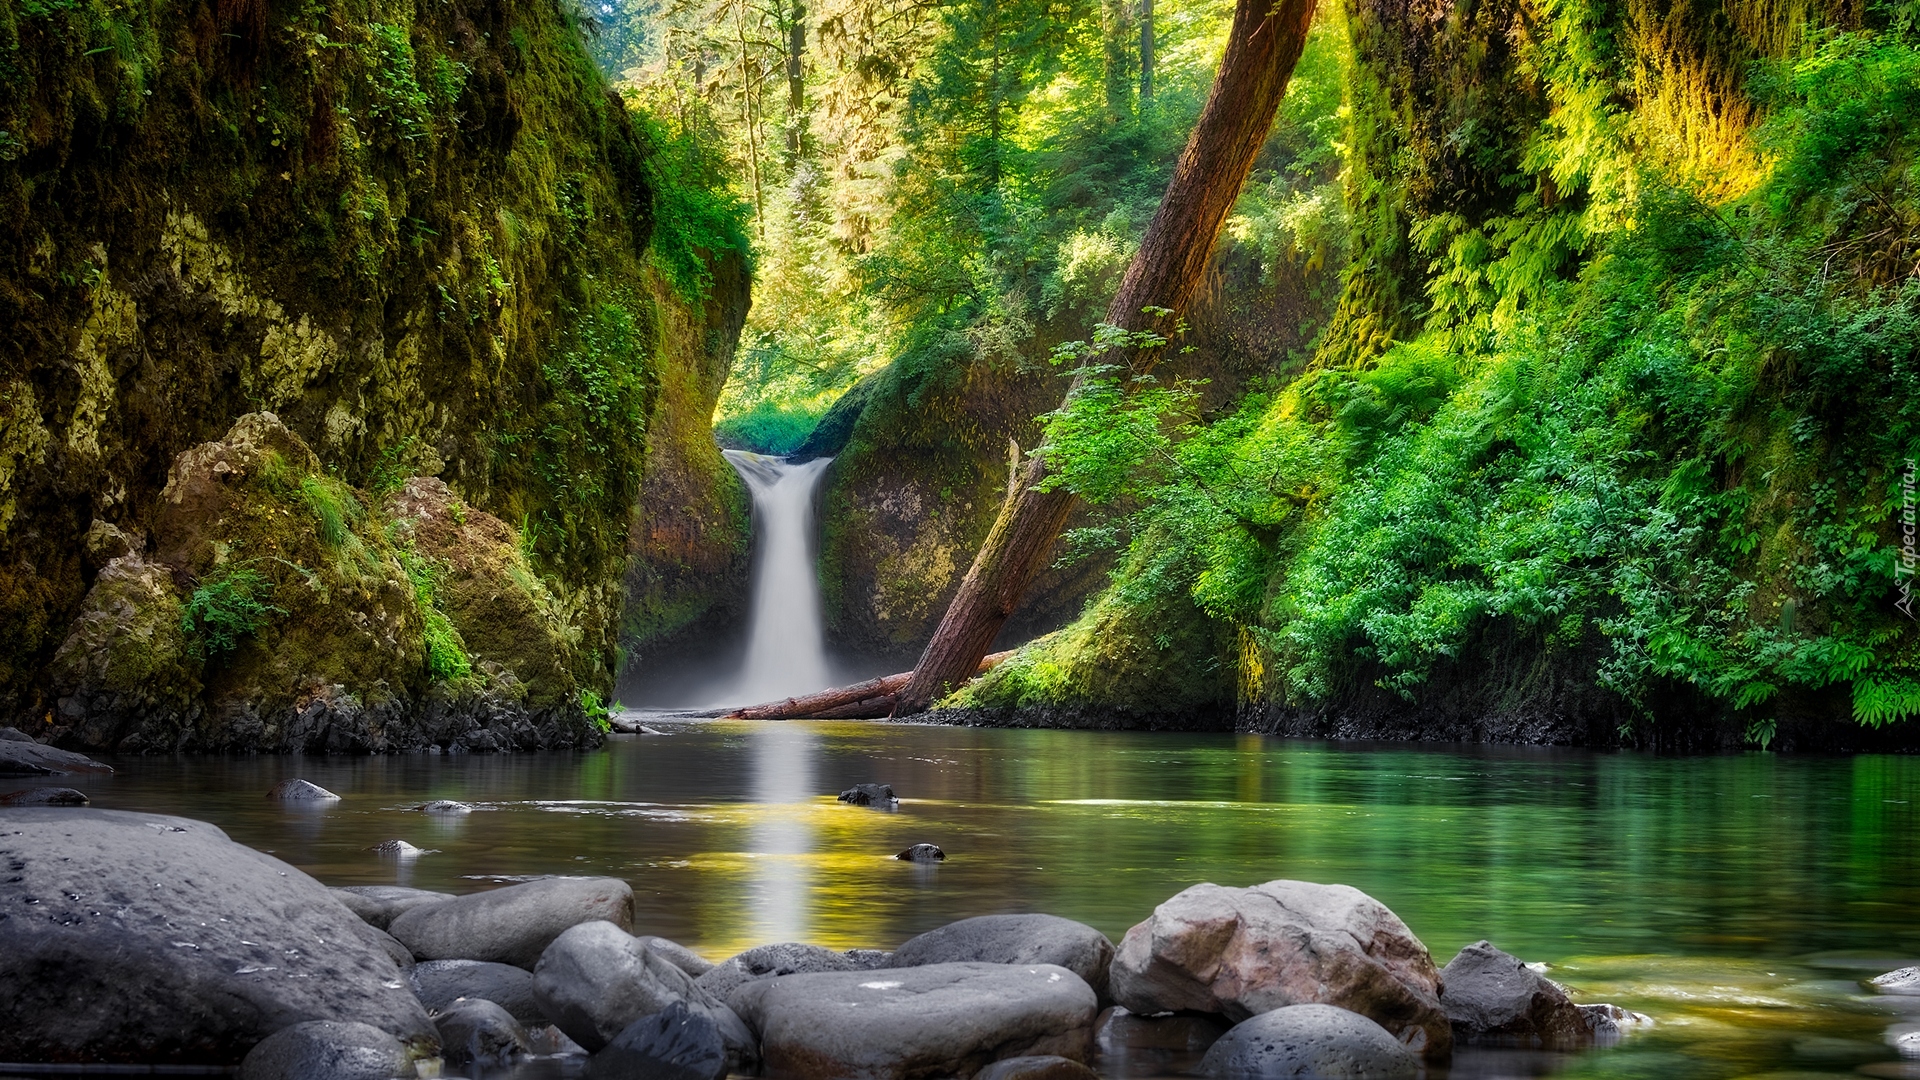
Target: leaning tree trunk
(1262,48)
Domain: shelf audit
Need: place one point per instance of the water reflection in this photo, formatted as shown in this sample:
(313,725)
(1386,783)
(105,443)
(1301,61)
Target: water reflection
(780,838)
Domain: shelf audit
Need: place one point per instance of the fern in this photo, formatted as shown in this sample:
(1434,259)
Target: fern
(1885,700)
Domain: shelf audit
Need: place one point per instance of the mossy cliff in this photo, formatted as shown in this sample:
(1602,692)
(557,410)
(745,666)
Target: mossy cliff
(418,236)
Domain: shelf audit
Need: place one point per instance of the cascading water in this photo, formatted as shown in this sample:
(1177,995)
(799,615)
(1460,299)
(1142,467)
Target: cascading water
(786,652)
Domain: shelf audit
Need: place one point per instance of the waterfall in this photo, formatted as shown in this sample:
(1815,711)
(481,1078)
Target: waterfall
(786,652)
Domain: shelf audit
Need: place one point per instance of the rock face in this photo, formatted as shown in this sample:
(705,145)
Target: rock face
(1493,996)
(475,1029)
(1318,1041)
(326,1050)
(1015,939)
(379,905)
(513,925)
(677,1043)
(1240,952)
(439,983)
(214,946)
(597,979)
(939,1020)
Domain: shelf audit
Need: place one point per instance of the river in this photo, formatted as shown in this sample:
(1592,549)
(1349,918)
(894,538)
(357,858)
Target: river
(1735,899)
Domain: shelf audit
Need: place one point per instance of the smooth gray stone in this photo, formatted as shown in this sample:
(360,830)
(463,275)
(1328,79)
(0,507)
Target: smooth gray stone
(1905,982)
(379,905)
(869,959)
(402,959)
(772,961)
(1493,996)
(439,983)
(29,758)
(444,806)
(297,790)
(922,853)
(596,979)
(475,1029)
(677,1043)
(938,1020)
(14,734)
(326,1050)
(151,939)
(1044,1067)
(513,925)
(45,796)
(1014,939)
(682,957)
(1319,1041)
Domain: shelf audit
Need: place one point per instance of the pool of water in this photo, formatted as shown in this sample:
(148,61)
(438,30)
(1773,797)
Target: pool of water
(1737,900)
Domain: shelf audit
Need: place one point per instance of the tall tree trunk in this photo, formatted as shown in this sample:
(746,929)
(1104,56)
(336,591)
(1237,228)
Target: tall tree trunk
(1116,20)
(796,82)
(1262,47)
(1146,50)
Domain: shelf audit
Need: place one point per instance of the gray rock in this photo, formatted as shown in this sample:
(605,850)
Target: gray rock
(1608,1024)
(1309,1041)
(1241,952)
(379,905)
(1122,1033)
(297,790)
(596,979)
(677,1043)
(326,1050)
(213,946)
(679,955)
(1042,1067)
(922,853)
(14,734)
(444,806)
(938,1020)
(1494,997)
(550,1041)
(30,758)
(1905,981)
(880,795)
(475,1029)
(1014,939)
(402,959)
(439,983)
(513,925)
(869,959)
(772,961)
(45,796)
(399,849)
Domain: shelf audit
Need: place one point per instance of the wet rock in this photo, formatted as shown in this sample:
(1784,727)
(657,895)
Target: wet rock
(45,796)
(478,1030)
(922,853)
(1241,952)
(1121,1032)
(1041,1067)
(1493,996)
(326,1050)
(938,1020)
(402,959)
(550,1041)
(772,961)
(14,734)
(513,925)
(379,905)
(444,806)
(596,979)
(1608,1024)
(869,959)
(213,946)
(1318,1041)
(679,955)
(870,795)
(439,983)
(29,758)
(677,1043)
(1015,939)
(1905,981)
(126,661)
(297,790)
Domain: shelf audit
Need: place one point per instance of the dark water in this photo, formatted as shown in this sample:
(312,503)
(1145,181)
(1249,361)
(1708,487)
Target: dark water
(1737,900)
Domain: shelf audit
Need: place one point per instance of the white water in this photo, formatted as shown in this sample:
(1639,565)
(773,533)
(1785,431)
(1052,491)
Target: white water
(786,653)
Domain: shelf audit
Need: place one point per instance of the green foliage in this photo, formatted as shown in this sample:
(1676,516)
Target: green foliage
(596,709)
(770,426)
(228,605)
(447,659)
(400,98)
(696,216)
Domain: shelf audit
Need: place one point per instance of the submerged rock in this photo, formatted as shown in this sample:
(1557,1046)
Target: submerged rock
(597,979)
(326,1050)
(27,758)
(922,853)
(478,1030)
(440,983)
(513,925)
(213,946)
(399,849)
(1318,1041)
(1905,981)
(870,795)
(45,796)
(1241,952)
(444,806)
(1493,996)
(772,961)
(1014,939)
(939,1020)
(379,905)
(297,790)
(677,1043)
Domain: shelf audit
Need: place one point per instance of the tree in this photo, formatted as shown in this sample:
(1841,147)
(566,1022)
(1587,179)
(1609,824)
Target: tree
(1263,45)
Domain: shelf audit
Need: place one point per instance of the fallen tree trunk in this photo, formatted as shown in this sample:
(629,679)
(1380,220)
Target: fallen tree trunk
(868,700)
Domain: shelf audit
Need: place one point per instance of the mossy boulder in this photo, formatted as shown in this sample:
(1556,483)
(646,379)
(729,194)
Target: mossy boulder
(127,661)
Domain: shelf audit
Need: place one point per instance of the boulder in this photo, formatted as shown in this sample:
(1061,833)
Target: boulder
(596,979)
(938,1020)
(1041,1067)
(1241,952)
(144,938)
(679,955)
(402,959)
(326,1050)
(870,795)
(18,758)
(475,1029)
(1318,1041)
(45,796)
(922,853)
(379,905)
(1493,996)
(439,983)
(513,925)
(677,1043)
(772,961)
(1015,939)
(1905,981)
(14,734)
(298,790)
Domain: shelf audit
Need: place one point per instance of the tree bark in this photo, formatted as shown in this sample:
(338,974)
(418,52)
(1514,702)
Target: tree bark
(1263,45)
(866,700)
(1146,50)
